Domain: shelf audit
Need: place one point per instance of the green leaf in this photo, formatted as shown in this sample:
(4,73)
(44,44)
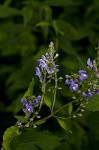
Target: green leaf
(93,104)
(42,23)
(69,64)
(70,108)
(8,11)
(92,120)
(47,101)
(29,92)
(81,64)
(8,136)
(62,124)
(7,2)
(40,121)
(28,139)
(27,14)
(21,119)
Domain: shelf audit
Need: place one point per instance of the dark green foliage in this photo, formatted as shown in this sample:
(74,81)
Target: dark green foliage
(33,139)
(93,105)
(26,28)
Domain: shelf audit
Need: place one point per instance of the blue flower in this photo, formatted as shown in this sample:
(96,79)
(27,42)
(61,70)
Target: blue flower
(23,101)
(42,64)
(50,70)
(97,91)
(90,94)
(39,74)
(36,102)
(84,94)
(82,75)
(73,86)
(81,71)
(87,95)
(67,81)
(28,108)
(89,63)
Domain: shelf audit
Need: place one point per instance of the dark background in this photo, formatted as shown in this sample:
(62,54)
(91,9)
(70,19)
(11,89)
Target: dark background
(26,29)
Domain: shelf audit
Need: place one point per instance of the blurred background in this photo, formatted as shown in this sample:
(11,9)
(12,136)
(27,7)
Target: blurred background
(26,29)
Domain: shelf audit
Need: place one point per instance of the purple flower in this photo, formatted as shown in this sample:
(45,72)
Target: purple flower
(90,94)
(89,63)
(73,86)
(67,81)
(23,101)
(28,108)
(44,58)
(36,102)
(82,75)
(39,74)
(87,95)
(84,94)
(50,70)
(81,71)
(42,64)
(97,91)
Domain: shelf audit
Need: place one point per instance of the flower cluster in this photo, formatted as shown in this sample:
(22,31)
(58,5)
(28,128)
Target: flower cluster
(29,106)
(75,80)
(83,85)
(86,89)
(47,66)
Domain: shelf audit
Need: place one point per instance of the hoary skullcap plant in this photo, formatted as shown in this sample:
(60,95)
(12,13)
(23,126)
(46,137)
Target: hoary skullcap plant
(84,86)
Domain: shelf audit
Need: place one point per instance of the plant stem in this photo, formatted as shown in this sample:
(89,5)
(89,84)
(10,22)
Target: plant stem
(55,90)
(53,113)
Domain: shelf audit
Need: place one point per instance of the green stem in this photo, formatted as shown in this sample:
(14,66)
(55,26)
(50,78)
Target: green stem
(55,90)
(53,113)
(63,118)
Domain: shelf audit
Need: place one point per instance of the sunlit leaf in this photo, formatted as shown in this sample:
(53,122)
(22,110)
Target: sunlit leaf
(21,119)
(8,136)
(62,124)
(42,23)
(40,121)
(47,100)
(70,108)
(29,92)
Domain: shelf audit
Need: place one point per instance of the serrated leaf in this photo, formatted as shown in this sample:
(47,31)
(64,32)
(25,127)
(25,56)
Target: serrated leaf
(28,139)
(93,104)
(8,136)
(70,108)
(47,101)
(21,119)
(62,124)
(29,92)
